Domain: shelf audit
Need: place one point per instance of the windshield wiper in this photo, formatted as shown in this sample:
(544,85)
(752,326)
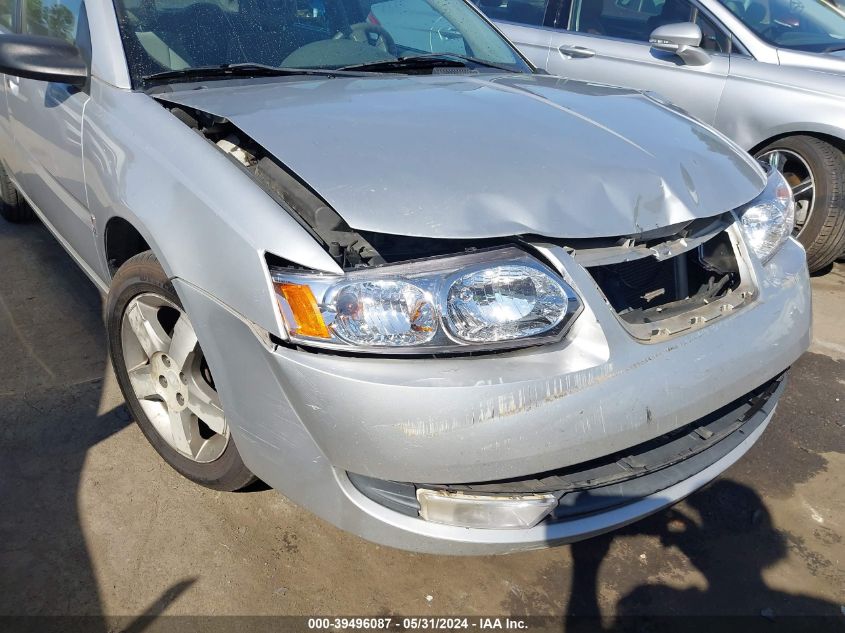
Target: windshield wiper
(835,48)
(232,70)
(424,61)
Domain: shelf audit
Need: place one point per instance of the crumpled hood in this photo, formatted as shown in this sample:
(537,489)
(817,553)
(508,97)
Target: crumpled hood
(475,156)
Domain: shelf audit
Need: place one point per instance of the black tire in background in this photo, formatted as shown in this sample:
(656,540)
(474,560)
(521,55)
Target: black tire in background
(13,208)
(823,234)
(142,274)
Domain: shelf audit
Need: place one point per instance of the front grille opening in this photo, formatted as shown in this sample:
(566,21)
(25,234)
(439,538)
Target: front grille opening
(648,290)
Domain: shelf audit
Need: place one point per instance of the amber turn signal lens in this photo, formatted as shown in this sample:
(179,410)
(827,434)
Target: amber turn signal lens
(306,312)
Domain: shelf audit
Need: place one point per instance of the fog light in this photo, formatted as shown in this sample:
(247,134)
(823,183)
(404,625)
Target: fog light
(484,511)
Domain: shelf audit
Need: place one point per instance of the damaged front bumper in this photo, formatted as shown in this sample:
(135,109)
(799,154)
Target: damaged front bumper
(306,422)
(582,489)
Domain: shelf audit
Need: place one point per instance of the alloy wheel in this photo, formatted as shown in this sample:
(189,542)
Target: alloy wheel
(171,379)
(800,178)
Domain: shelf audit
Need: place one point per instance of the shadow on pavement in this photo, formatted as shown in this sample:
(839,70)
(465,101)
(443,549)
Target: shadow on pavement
(732,567)
(823,271)
(52,411)
(52,368)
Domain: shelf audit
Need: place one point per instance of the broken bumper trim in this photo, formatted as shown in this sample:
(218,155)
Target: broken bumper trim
(301,421)
(618,479)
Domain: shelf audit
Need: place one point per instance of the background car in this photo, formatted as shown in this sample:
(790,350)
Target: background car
(417,25)
(749,78)
(810,34)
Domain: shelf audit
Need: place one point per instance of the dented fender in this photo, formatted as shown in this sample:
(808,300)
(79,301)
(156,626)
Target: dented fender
(207,222)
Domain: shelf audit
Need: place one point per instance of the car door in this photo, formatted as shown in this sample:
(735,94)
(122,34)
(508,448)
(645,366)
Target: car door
(606,41)
(46,122)
(526,23)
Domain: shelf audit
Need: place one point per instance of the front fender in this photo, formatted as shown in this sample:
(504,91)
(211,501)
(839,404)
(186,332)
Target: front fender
(767,101)
(206,221)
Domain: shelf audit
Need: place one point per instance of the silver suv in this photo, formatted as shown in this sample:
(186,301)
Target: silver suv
(361,250)
(770,74)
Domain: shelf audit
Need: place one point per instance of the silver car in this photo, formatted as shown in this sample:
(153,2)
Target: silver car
(441,300)
(770,74)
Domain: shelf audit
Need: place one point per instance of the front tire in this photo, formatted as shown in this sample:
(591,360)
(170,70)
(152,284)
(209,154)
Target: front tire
(165,378)
(13,208)
(816,172)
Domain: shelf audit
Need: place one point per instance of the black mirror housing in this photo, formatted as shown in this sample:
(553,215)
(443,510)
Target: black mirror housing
(42,58)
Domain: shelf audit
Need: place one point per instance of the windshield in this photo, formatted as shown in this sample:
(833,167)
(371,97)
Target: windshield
(177,35)
(807,25)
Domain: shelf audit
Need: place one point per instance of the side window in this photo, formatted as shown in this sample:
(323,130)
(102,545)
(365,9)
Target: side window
(529,12)
(54,18)
(714,38)
(416,27)
(627,19)
(7,10)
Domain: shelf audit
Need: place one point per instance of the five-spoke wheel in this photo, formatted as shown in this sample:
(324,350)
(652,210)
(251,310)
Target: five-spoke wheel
(171,379)
(166,378)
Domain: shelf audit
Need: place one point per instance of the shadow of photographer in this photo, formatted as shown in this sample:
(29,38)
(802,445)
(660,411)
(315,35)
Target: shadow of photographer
(726,533)
(53,409)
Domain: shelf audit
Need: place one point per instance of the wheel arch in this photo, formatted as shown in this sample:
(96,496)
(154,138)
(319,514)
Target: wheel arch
(121,241)
(125,236)
(837,141)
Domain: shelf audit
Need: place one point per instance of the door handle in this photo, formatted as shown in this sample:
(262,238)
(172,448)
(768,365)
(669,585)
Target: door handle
(14,84)
(576,52)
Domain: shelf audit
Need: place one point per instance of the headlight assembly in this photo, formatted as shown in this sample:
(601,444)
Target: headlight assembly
(482,300)
(768,220)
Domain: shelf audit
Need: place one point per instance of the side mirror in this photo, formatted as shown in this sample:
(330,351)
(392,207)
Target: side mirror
(42,58)
(682,39)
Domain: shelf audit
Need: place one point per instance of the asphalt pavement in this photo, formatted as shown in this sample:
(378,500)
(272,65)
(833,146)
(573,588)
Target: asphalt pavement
(93,522)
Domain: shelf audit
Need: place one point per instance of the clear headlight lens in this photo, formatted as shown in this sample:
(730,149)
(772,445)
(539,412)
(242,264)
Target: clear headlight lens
(768,220)
(504,303)
(501,298)
(382,312)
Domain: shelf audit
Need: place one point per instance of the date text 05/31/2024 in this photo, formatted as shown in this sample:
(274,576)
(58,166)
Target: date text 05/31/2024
(414,623)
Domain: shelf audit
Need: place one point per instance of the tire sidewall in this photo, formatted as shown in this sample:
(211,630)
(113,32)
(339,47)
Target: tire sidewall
(12,206)
(824,191)
(146,277)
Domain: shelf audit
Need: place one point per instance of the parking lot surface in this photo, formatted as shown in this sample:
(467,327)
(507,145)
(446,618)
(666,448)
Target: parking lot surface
(94,522)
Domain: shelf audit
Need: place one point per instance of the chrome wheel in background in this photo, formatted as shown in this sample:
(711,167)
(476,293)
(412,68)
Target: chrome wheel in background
(800,177)
(815,169)
(169,376)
